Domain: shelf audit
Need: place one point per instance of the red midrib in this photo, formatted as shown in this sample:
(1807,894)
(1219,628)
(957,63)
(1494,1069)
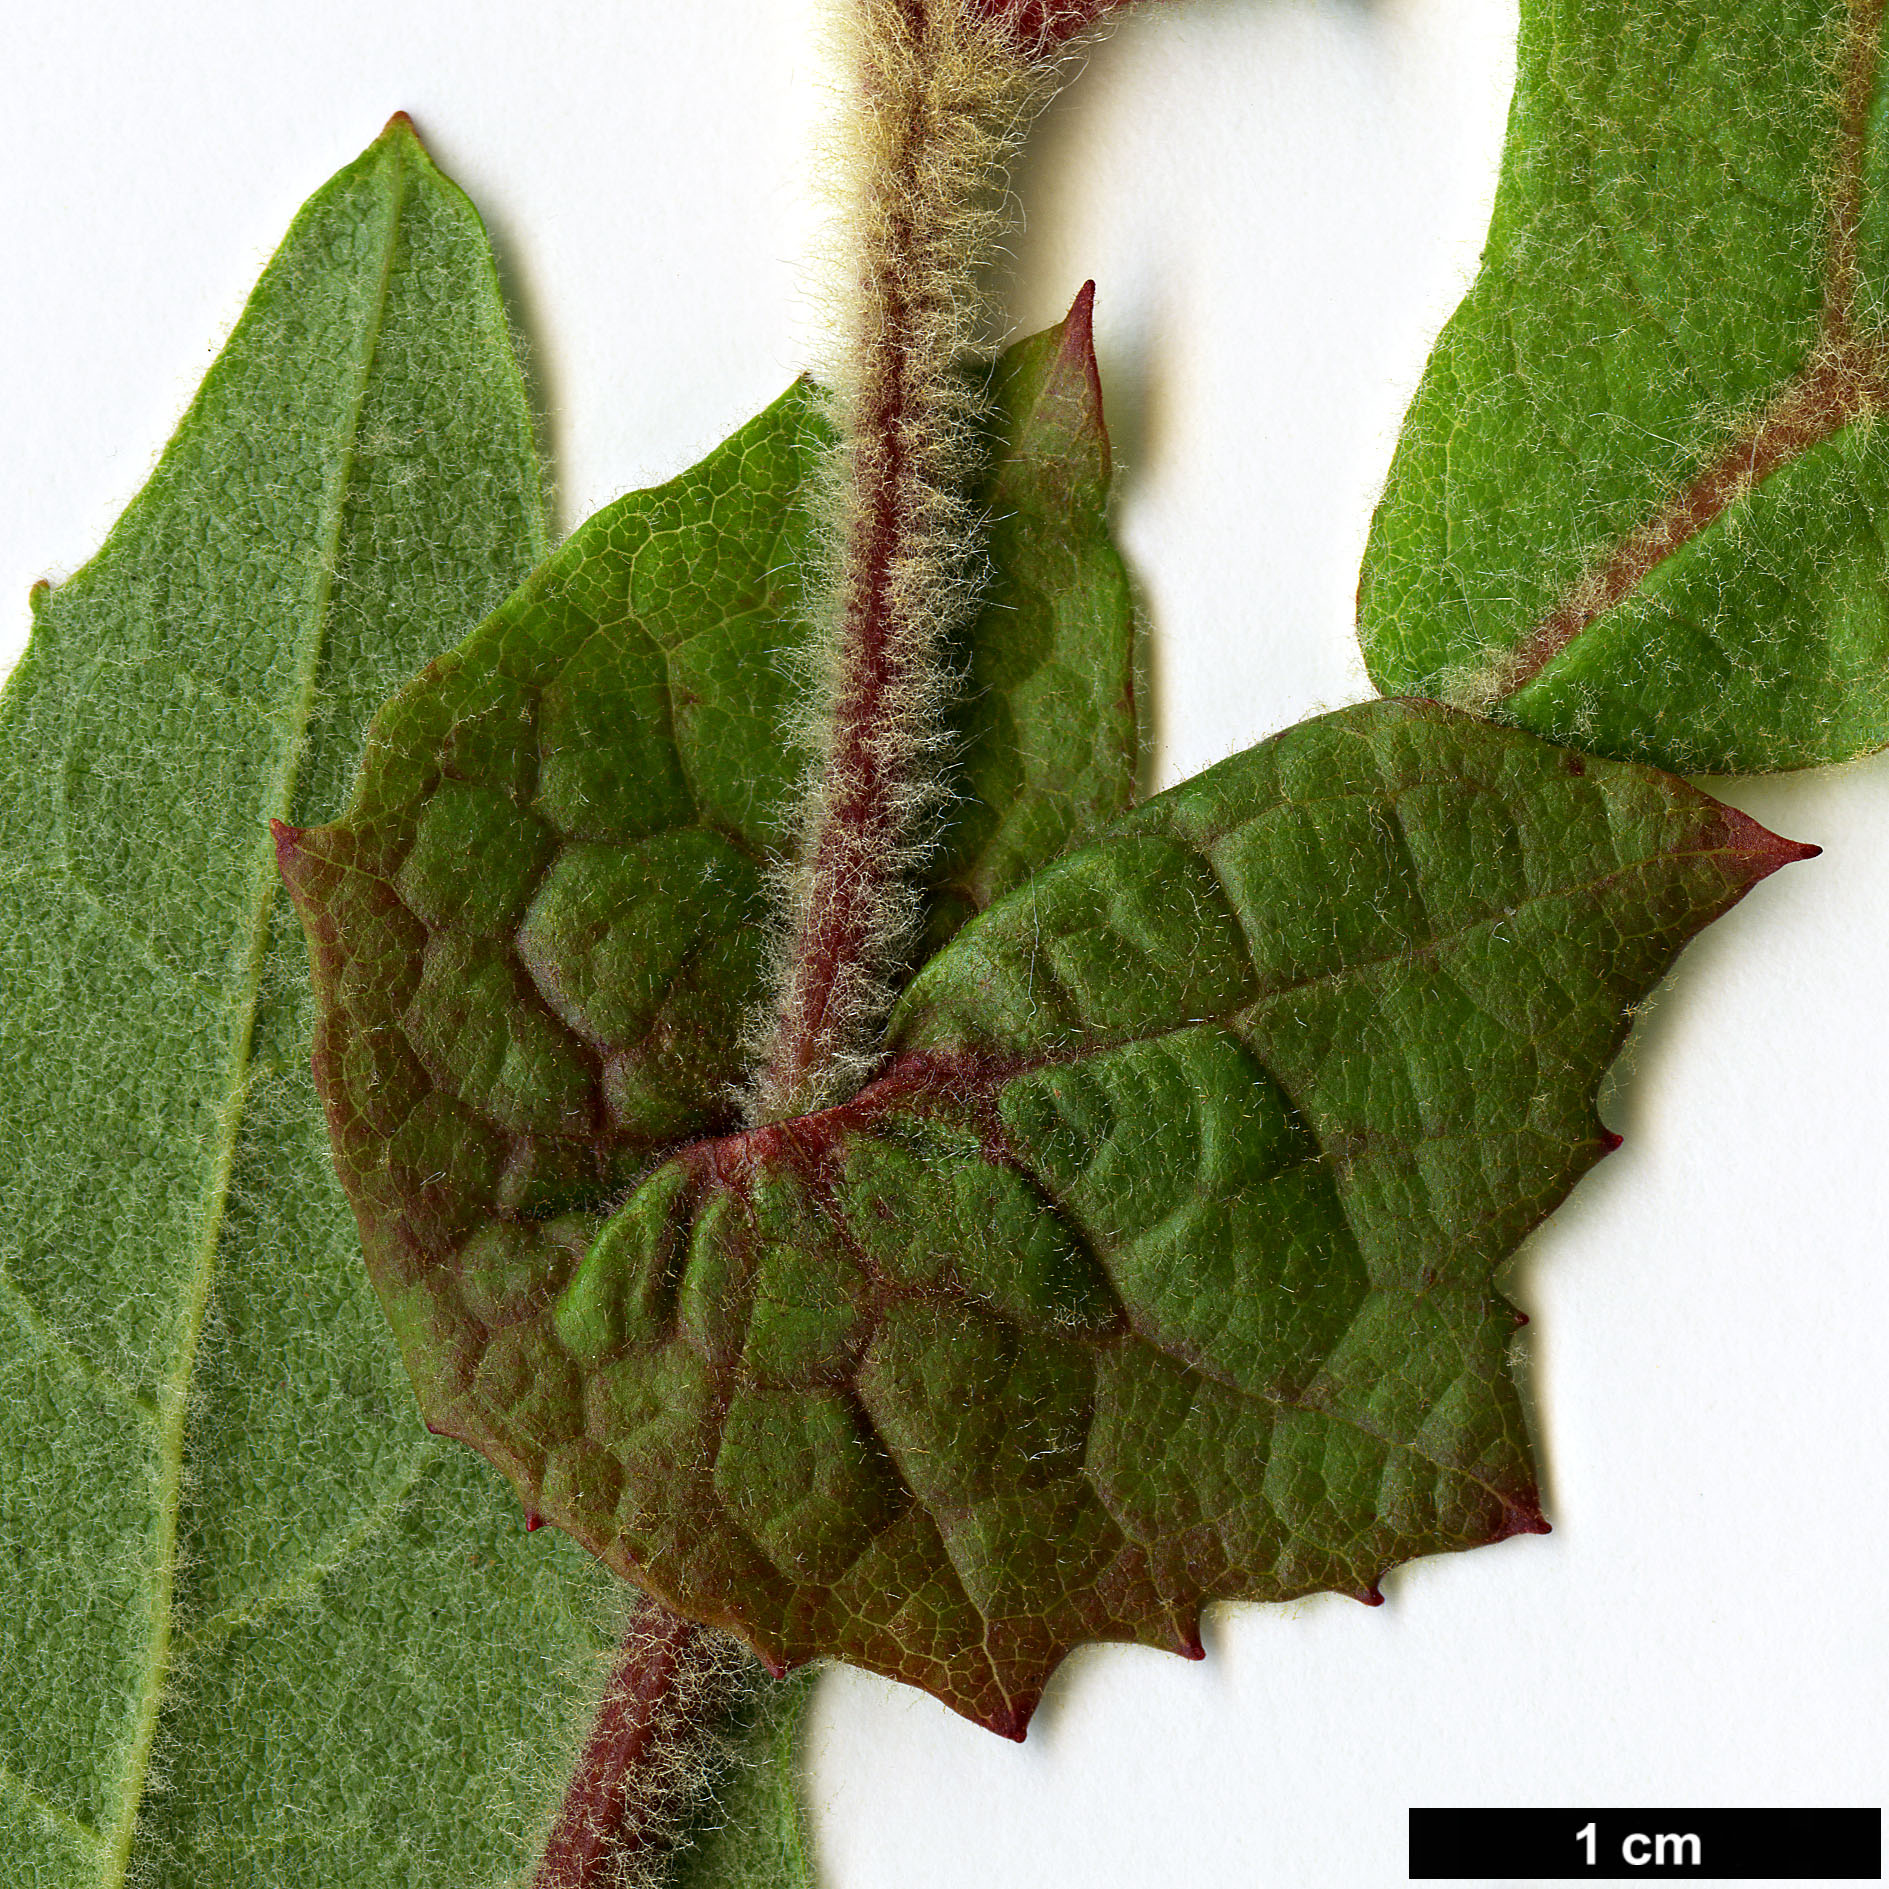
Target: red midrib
(1846,378)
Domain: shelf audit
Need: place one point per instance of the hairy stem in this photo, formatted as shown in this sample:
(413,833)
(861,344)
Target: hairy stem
(943,93)
(943,90)
(652,1752)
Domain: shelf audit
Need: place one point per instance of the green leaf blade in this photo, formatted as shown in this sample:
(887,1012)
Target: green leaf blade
(756,1837)
(1048,734)
(1157,1267)
(616,750)
(223,1503)
(1634,506)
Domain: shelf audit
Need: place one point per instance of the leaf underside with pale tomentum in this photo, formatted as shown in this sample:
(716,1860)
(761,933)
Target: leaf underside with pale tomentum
(255,1624)
(1639,499)
(1154,1269)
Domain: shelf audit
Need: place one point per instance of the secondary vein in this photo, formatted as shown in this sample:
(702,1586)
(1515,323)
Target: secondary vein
(220,1625)
(82,1367)
(43,1807)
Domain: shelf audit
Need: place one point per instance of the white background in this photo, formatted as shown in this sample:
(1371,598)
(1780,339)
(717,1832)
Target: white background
(1281,200)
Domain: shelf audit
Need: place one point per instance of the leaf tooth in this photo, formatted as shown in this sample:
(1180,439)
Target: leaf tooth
(1521,1515)
(293,858)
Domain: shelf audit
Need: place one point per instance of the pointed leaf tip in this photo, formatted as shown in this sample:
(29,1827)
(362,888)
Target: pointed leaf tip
(1081,316)
(1077,370)
(1053,385)
(1764,850)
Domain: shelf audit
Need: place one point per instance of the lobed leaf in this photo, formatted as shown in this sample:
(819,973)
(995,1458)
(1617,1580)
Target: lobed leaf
(1156,1268)
(254,1622)
(1637,503)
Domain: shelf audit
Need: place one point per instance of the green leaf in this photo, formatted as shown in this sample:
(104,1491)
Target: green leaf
(1155,1269)
(754,1835)
(255,1624)
(1047,727)
(541,927)
(1638,499)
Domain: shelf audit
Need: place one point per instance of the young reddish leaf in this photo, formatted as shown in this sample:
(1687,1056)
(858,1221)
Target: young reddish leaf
(548,890)
(1043,22)
(1636,504)
(1155,1269)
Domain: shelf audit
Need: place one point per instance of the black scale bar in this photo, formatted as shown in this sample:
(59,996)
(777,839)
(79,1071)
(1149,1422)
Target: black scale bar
(1631,1845)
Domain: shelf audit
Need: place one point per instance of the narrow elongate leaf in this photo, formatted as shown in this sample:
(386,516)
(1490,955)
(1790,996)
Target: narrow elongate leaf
(255,1624)
(1639,496)
(1155,1269)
